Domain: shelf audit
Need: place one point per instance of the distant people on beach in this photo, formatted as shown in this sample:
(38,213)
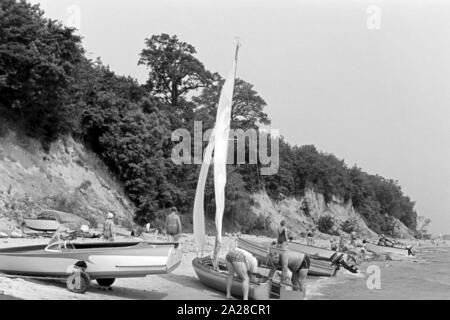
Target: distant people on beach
(173,225)
(108,228)
(245,265)
(282,235)
(298,263)
(333,245)
(342,244)
(137,232)
(310,237)
(353,238)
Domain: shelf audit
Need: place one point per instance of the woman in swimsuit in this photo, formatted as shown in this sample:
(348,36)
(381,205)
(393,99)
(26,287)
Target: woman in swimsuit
(245,265)
(282,235)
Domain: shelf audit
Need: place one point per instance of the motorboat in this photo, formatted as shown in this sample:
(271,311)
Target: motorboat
(101,261)
(323,268)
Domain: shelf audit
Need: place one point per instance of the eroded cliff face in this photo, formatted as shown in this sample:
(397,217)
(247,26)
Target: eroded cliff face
(299,220)
(68,178)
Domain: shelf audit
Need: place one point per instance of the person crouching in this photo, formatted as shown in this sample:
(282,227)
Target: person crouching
(298,263)
(245,265)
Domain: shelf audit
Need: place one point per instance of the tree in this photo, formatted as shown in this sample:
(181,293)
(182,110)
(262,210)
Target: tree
(174,70)
(38,59)
(248,106)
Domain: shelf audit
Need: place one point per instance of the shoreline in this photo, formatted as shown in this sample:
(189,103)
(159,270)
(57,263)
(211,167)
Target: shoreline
(181,284)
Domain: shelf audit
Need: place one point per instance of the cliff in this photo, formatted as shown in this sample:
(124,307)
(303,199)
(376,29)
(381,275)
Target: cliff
(69,178)
(299,220)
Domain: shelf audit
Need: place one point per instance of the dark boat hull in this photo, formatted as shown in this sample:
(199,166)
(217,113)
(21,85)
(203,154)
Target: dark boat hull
(218,279)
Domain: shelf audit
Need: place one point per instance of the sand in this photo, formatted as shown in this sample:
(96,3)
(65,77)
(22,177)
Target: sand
(181,284)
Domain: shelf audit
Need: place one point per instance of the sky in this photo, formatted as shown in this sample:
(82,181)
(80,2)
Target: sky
(368,81)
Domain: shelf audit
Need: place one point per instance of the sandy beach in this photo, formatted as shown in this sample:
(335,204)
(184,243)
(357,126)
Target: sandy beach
(181,284)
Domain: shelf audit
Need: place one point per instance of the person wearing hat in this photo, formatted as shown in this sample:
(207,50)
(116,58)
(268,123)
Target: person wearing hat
(173,225)
(108,228)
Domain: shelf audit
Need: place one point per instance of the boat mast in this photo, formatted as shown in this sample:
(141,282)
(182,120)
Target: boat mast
(226,126)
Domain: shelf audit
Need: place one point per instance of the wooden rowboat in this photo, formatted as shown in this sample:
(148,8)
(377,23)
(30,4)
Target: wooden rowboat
(260,251)
(217,279)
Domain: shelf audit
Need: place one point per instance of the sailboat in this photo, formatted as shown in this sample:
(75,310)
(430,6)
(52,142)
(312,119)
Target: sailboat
(212,271)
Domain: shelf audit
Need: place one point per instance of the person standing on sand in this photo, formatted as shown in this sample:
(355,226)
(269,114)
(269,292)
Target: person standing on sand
(310,237)
(342,246)
(108,228)
(173,225)
(245,265)
(298,263)
(353,238)
(282,235)
(333,245)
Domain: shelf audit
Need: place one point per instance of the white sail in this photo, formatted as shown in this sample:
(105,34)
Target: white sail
(222,130)
(219,144)
(199,212)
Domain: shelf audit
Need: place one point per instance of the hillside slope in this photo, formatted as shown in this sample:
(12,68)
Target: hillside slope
(298,222)
(68,178)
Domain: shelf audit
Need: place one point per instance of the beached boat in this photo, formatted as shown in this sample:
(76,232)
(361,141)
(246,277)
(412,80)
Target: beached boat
(48,221)
(402,251)
(217,279)
(41,225)
(103,261)
(314,251)
(320,268)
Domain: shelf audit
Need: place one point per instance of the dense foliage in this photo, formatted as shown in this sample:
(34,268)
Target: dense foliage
(38,59)
(48,87)
(325,224)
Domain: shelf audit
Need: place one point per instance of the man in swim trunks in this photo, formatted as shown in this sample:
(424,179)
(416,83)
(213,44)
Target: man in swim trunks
(173,225)
(298,263)
(245,265)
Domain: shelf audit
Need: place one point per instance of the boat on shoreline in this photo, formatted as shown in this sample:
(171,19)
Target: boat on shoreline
(101,261)
(217,279)
(320,268)
(402,251)
(313,251)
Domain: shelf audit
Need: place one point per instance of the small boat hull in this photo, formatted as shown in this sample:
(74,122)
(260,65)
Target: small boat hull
(41,225)
(218,279)
(260,251)
(103,260)
(314,251)
(386,250)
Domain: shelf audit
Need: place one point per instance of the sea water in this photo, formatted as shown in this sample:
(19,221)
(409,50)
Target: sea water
(426,276)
